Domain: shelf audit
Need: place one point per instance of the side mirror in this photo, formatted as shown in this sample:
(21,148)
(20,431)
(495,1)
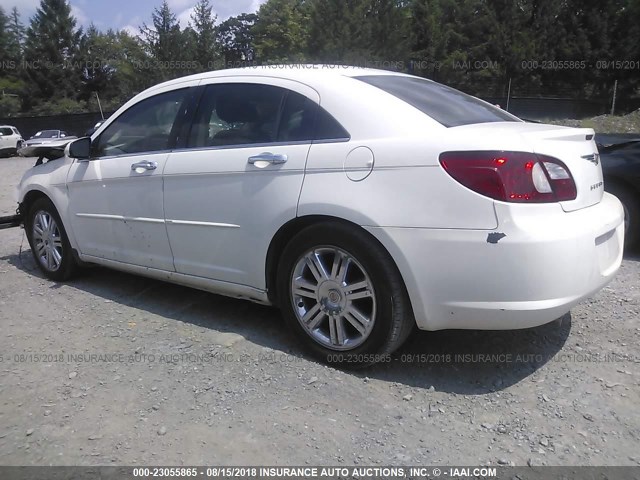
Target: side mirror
(80,149)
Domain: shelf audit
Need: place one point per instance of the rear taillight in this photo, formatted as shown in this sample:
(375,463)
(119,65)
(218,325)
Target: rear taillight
(512,176)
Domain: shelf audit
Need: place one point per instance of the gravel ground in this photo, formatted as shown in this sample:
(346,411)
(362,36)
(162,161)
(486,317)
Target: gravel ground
(113,369)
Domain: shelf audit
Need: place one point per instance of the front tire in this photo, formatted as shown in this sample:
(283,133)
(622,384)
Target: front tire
(49,241)
(343,296)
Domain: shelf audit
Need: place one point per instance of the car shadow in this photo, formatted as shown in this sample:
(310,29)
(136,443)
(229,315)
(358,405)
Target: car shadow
(632,254)
(454,361)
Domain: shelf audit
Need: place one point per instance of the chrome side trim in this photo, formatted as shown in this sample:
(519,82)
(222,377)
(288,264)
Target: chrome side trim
(202,224)
(121,218)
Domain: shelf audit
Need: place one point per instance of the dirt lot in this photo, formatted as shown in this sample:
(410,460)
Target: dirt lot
(115,369)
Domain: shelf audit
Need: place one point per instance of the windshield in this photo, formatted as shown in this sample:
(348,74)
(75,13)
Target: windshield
(47,134)
(446,105)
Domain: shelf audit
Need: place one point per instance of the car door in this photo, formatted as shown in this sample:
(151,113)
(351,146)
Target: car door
(115,198)
(239,177)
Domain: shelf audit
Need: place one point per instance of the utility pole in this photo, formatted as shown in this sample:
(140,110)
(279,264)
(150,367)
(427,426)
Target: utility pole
(613,103)
(99,105)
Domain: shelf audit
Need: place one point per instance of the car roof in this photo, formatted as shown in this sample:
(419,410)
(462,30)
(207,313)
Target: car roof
(308,73)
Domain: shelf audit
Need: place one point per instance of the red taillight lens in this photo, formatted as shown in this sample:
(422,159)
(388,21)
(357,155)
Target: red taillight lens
(512,176)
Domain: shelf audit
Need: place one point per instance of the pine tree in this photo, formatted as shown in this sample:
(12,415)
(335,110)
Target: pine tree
(51,44)
(15,31)
(165,44)
(203,23)
(4,35)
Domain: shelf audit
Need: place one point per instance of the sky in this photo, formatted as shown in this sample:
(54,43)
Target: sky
(130,14)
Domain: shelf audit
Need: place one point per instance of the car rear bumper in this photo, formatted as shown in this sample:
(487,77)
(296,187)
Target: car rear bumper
(538,264)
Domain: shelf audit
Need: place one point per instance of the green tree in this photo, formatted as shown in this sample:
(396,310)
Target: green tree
(15,31)
(627,28)
(427,40)
(98,60)
(339,31)
(203,22)
(131,66)
(390,30)
(4,35)
(51,45)
(235,36)
(280,32)
(165,44)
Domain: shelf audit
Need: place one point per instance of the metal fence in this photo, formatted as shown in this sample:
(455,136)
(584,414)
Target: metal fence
(74,124)
(530,108)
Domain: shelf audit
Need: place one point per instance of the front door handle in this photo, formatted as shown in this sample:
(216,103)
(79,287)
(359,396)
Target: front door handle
(144,166)
(268,157)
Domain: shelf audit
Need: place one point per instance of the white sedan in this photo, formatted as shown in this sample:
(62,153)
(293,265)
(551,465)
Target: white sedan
(363,203)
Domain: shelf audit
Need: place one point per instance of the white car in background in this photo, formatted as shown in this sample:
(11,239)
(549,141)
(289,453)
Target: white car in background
(10,140)
(363,203)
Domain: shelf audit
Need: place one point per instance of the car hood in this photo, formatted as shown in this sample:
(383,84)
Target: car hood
(39,141)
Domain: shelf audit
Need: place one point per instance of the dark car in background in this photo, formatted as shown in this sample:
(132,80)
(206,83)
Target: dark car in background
(620,157)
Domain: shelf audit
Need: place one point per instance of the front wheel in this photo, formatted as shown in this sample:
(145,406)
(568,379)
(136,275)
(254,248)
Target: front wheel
(49,242)
(343,296)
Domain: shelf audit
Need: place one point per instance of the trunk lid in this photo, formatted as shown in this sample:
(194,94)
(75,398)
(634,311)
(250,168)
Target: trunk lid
(575,147)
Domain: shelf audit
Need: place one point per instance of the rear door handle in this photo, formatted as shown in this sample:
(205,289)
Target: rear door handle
(268,157)
(144,165)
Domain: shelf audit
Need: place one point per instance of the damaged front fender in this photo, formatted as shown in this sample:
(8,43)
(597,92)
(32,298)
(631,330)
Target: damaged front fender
(49,151)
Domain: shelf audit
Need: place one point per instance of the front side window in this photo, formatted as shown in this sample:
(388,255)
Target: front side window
(445,105)
(245,114)
(145,127)
(6,131)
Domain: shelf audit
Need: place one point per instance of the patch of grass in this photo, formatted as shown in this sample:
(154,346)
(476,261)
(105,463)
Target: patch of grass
(607,123)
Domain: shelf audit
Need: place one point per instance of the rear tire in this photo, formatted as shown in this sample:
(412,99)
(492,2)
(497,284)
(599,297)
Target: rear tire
(631,203)
(342,295)
(49,241)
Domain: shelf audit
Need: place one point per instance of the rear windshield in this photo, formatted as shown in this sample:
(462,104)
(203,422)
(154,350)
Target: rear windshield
(445,105)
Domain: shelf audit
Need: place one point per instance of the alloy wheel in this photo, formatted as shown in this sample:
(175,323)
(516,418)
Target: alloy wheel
(47,241)
(333,298)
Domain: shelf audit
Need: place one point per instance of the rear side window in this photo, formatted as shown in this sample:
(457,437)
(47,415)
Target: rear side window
(303,119)
(328,128)
(445,105)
